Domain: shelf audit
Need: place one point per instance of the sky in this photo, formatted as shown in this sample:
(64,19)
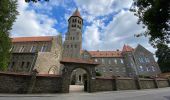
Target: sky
(108,24)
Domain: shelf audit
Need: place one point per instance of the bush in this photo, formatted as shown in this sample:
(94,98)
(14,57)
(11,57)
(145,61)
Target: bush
(98,74)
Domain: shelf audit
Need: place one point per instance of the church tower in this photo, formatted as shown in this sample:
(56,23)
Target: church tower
(73,39)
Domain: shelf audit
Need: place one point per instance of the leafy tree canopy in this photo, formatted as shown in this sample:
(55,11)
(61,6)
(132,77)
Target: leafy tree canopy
(155,15)
(163,54)
(8,14)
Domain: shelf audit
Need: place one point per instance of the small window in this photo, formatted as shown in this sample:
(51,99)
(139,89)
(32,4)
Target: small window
(28,64)
(67,46)
(12,65)
(75,46)
(21,49)
(153,68)
(43,48)
(109,61)
(121,60)
(102,61)
(115,61)
(96,60)
(33,49)
(22,65)
(141,68)
(104,70)
(73,38)
(110,69)
(71,46)
(147,69)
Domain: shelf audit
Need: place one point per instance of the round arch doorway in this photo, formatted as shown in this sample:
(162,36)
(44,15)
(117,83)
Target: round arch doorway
(69,65)
(79,80)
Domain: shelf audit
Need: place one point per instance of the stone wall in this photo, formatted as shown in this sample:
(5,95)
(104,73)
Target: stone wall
(25,83)
(102,84)
(32,83)
(163,83)
(47,84)
(126,84)
(119,83)
(147,83)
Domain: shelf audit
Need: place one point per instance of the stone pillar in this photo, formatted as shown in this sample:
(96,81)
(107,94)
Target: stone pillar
(137,82)
(81,79)
(91,85)
(65,81)
(32,81)
(156,83)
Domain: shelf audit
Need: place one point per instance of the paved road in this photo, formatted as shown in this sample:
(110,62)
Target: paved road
(151,94)
(76,88)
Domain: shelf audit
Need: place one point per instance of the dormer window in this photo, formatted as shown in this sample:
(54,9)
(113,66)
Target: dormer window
(21,49)
(43,48)
(33,49)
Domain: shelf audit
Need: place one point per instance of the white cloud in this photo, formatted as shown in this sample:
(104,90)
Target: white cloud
(30,23)
(102,7)
(118,32)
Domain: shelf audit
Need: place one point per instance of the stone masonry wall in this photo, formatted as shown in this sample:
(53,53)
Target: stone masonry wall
(32,83)
(23,83)
(128,84)
(147,83)
(102,84)
(47,84)
(163,83)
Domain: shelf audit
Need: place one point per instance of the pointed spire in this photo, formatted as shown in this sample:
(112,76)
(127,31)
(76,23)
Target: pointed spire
(127,48)
(76,13)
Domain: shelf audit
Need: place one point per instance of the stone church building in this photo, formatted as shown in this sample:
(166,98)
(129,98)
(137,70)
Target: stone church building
(42,53)
(45,53)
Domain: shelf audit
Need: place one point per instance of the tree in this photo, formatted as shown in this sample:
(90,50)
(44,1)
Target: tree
(155,16)
(8,15)
(163,54)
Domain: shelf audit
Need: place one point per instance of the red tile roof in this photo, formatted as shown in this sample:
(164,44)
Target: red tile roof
(78,60)
(77,13)
(127,48)
(105,53)
(31,39)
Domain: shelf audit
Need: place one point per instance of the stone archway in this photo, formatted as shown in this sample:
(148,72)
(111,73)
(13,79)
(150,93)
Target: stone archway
(70,65)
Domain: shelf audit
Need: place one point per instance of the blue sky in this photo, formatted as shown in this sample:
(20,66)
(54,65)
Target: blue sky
(108,24)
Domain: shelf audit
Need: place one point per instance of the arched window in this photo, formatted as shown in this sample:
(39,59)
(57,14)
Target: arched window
(52,70)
